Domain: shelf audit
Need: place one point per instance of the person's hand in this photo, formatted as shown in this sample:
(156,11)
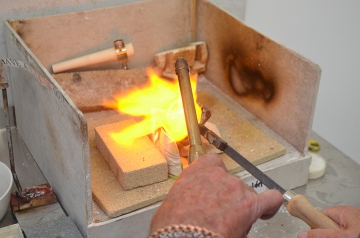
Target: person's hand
(346,216)
(207,196)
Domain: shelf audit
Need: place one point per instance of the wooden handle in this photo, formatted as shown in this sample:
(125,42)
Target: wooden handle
(300,207)
(91,59)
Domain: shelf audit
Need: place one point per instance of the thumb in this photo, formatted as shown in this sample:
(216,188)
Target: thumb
(269,203)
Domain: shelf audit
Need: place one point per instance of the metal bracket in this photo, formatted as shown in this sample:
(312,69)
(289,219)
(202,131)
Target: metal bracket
(121,54)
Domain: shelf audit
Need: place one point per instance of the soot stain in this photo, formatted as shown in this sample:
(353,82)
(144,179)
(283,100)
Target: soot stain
(246,67)
(248,80)
(20,26)
(76,78)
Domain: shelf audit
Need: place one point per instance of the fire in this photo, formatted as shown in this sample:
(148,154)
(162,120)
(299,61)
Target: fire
(159,103)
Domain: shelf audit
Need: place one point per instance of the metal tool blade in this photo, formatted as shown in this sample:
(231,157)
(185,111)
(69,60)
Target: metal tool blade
(238,158)
(296,204)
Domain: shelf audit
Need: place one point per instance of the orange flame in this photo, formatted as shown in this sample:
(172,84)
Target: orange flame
(159,102)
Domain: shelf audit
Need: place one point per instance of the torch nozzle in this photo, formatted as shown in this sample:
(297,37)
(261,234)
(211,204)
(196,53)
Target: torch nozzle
(182,71)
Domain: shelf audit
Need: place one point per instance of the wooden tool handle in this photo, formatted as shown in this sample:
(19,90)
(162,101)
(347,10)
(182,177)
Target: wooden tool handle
(91,59)
(300,207)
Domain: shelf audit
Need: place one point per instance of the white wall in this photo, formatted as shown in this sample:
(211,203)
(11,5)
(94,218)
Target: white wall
(328,33)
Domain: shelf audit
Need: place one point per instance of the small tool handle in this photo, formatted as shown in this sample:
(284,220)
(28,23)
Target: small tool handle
(300,207)
(91,59)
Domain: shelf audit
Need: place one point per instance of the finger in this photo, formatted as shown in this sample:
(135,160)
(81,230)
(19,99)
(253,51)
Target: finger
(204,161)
(269,203)
(334,213)
(318,233)
(343,214)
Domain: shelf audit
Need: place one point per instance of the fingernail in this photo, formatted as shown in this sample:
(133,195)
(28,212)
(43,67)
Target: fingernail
(302,234)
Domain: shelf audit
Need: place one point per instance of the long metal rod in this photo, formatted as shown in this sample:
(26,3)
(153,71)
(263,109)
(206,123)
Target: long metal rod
(196,148)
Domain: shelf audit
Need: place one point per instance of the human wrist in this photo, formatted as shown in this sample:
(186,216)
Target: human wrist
(182,230)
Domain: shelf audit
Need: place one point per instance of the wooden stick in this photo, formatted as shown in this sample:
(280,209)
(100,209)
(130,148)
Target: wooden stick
(300,207)
(91,59)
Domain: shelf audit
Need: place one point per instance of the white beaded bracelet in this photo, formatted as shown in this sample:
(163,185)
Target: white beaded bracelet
(183,231)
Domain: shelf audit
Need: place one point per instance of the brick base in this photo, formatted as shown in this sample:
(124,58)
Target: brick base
(134,165)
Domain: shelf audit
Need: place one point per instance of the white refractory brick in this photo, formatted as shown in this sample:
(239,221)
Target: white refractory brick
(136,164)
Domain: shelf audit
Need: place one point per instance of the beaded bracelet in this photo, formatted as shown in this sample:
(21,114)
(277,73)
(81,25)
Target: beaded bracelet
(183,231)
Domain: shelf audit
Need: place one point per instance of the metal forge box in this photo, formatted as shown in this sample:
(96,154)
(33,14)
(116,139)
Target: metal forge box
(274,88)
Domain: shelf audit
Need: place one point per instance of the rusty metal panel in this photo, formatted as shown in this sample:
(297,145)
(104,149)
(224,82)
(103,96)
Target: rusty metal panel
(275,84)
(53,129)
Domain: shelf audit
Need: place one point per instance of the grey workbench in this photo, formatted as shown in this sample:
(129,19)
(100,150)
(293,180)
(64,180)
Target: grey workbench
(339,186)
